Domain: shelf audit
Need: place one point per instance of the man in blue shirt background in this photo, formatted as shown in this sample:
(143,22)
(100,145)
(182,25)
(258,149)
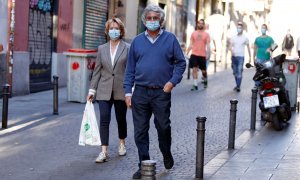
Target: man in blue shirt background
(155,65)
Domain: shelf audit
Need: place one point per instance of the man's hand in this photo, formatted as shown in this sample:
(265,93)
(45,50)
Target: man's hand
(128,101)
(168,87)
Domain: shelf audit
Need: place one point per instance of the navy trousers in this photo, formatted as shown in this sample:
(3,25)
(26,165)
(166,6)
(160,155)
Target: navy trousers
(105,117)
(145,102)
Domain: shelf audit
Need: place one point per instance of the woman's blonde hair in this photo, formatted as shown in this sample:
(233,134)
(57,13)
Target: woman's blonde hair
(119,22)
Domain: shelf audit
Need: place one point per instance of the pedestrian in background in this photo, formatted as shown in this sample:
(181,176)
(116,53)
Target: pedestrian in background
(262,45)
(298,46)
(217,24)
(200,46)
(237,47)
(213,46)
(107,85)
(288,43)
(155,65)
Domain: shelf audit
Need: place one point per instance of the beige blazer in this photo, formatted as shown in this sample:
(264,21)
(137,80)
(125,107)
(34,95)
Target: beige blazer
(107,77)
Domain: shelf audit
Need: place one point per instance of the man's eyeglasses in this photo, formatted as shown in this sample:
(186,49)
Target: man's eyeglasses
(152,18)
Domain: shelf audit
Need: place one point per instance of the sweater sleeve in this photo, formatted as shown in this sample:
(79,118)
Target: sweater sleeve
(130,71)
(179,63)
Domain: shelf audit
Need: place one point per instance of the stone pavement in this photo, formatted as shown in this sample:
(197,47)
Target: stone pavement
(265,154)
(39,145)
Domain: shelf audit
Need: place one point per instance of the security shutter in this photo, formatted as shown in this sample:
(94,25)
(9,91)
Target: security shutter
(94,23)
(40,44)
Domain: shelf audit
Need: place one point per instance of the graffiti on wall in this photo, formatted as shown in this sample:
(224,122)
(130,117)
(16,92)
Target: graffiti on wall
(42,5)
(40,40)
(65,27)
(40,37)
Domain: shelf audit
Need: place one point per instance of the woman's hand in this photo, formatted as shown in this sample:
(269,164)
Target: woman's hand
(90,97)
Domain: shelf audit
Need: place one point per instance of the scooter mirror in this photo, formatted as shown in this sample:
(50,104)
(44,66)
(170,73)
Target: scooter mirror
(273,47)
(248,65)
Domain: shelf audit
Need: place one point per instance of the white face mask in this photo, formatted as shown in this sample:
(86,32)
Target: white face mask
(114,34)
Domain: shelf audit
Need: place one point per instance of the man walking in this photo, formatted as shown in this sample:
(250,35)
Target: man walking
(262,45)
(200,46)
(237,47)
(155,65)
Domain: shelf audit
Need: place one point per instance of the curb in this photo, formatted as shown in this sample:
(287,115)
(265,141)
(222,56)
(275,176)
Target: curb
(225,155)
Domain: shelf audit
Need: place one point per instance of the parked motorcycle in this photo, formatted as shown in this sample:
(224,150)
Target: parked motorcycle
(274,100)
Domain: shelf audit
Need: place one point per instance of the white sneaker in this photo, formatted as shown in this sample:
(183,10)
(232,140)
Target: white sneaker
(102,157)
(122,150)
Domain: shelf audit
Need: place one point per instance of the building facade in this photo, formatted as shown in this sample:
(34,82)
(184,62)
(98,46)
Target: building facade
(44,29)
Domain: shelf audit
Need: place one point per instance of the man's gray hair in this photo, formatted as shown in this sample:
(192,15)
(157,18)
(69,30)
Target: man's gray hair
(153,8)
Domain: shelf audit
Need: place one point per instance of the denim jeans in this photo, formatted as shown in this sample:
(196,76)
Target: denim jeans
(257,83)
(237,67)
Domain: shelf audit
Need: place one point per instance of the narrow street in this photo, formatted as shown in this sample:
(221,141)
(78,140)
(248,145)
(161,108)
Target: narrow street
(39,145)
(41,39)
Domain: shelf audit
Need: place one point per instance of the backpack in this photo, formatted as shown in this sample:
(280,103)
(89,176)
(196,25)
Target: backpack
(288,42)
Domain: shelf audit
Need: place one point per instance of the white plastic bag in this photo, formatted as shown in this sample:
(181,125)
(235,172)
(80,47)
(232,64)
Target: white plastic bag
(89,131)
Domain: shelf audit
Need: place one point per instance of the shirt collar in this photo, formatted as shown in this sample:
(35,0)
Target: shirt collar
(159,33)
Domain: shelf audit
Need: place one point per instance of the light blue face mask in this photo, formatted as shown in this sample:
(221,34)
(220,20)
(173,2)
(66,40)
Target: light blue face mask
(114,34)
(152,25)
(263,31)
(239,30)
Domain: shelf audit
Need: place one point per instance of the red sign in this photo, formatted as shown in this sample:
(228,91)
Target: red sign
(75,65)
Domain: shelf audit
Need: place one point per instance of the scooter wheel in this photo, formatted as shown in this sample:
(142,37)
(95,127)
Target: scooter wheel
(277,123)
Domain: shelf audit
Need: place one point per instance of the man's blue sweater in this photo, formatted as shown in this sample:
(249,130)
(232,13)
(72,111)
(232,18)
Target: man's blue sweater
(154,64)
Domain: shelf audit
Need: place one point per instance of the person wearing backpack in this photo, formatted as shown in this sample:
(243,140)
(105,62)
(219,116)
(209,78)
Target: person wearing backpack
(288,43)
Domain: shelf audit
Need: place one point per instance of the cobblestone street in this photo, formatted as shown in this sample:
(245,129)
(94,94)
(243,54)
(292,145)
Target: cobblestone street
(39,145)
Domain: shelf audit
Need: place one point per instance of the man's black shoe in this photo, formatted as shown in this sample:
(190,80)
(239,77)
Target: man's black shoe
(168,161)
(137,175)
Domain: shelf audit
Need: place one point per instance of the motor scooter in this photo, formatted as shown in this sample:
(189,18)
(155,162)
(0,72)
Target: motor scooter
(274,100)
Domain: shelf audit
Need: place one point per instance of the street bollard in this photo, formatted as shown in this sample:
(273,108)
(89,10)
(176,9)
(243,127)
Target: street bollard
(215,66)
(148,169)
(5,97)
(253,108)
(188,72)
(200,146)
(232,123)
(55,95)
